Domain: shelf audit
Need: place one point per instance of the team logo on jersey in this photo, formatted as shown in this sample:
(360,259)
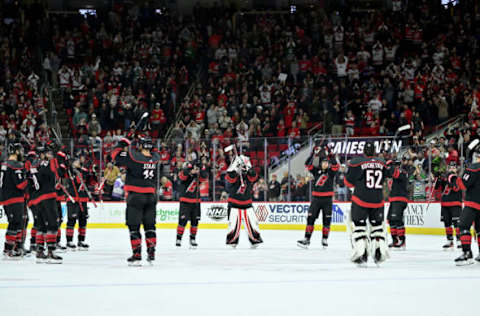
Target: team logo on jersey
(261,212)
(217,212)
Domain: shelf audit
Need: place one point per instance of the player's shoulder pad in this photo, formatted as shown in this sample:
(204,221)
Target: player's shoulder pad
(475,167)
(356,161)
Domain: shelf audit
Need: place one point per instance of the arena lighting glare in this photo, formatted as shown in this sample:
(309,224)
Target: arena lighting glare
(87,12)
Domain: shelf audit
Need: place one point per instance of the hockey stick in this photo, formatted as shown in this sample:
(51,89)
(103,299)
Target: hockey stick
(82,184)
(432,189)
(234,148)
(401,129)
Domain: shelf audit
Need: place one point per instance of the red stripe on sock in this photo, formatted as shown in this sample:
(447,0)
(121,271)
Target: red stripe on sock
(325,231)
(82,231)
(151,242)
(393,231)
(466,239)
(309,229)
(193,230)
(401,231)
(449,230)
(180,230)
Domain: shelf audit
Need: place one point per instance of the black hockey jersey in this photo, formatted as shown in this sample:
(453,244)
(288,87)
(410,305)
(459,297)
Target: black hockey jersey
(470,182)
(141,170)
(240,190)
(398,191)
(323,180)
(366,175)
(191,184)
(47,177)
(12,182)
(31,167)
(74,185)
(451,195)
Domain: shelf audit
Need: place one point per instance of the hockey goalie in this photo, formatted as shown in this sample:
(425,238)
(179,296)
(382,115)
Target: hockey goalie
(241,178)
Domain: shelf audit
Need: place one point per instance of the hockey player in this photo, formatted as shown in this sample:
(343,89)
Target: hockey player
(77,210)
(470,183)
(46,201)
(451,207)
(398,203)
(32,187)
(322,193)
(366,175)
(241,177)
(140,185)
(13,184)
(62,164)
(190,177)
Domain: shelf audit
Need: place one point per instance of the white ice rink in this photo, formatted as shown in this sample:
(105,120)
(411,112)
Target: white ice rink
(276,279)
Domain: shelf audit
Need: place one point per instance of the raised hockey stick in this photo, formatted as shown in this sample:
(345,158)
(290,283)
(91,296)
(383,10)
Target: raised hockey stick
(432,189)
(402,129)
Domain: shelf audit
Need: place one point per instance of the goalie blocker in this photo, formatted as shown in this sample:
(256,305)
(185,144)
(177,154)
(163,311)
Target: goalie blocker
(241,178)
(366,175)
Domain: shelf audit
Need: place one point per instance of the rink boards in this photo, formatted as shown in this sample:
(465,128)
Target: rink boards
(419,217)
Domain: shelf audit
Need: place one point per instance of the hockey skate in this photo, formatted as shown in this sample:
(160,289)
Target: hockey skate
(394,243)
(325,243)
(135,260)
(178,242)
(401,245)
(256,243)
(465,259)
(151,255)
(12,255)
(82,246)
(52,258)
(232,245)
(362,260)
(304,243)
(60,248)
(449,245)
(477,258)
(193,243)
(25,252)
(71,246)
(40,256)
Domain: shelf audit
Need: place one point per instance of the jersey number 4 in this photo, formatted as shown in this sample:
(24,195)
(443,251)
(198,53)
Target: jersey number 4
(374,179)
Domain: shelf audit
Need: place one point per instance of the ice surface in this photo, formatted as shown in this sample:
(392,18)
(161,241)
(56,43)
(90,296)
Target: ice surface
(276,279)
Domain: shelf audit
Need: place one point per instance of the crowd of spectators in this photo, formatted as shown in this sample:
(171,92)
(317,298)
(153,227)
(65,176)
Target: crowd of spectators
(261,75)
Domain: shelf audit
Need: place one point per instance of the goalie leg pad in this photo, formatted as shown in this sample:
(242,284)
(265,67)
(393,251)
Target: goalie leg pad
(359,245)
(234,226)
(251,225)
(379,245)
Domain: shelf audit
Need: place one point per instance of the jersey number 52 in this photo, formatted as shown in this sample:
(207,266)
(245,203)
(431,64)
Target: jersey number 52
(374,179)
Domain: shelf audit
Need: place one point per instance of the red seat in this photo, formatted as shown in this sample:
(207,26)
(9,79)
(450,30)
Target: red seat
(261,155)
(252,154)
(283,147)
(272,147)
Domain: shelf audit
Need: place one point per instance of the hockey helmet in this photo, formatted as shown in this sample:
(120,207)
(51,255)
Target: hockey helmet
(369,149)
(146,142)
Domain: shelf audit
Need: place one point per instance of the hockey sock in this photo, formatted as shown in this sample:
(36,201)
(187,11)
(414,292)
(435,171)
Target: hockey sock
(52,239)
(466,240)
(325,232)
(59,235)
(193,232)
(10,239)
(449,233)
(69,233)
(40,241)
(401,233)
(151,239)
(33,236)
(19,237)
(394,232)
(136,242)
(457,232)
(82,231)
(308,231)
(180,230)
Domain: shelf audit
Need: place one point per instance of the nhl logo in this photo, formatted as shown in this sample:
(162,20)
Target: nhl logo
(261,212)
(217,212)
